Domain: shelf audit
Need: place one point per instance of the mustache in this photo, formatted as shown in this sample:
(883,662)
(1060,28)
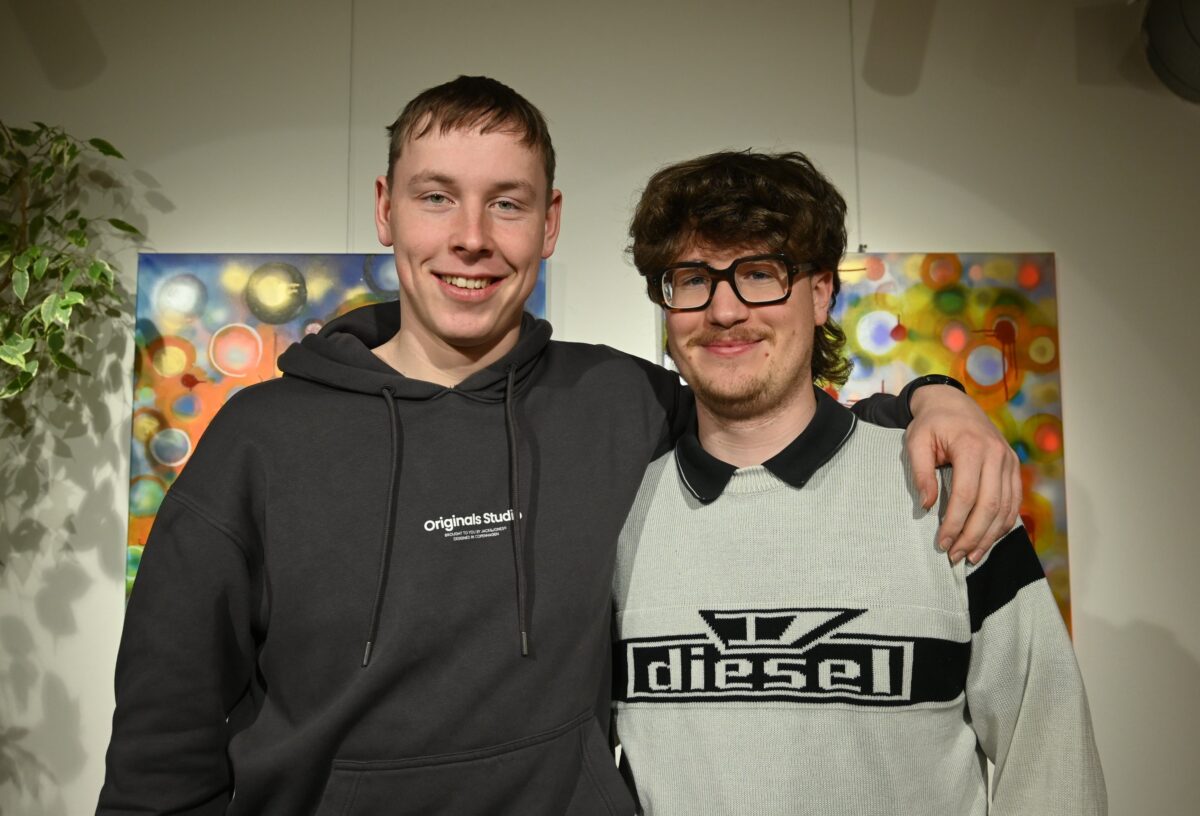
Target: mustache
(732,336)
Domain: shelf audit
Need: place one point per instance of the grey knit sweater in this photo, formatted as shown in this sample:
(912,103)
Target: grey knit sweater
(791,641)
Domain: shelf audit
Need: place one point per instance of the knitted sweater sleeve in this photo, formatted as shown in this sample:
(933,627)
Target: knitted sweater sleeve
(1025,696)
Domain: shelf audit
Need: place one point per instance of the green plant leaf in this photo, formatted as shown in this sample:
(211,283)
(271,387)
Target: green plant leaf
(20,284)
(22,261)
(47,309)
(24,345)
(24,137)
(124,226)
(15,386)
(78,238)
(12,356)
(71,299)
(105,148)
(31,368)
(39,267)
(102,273)
(56,340)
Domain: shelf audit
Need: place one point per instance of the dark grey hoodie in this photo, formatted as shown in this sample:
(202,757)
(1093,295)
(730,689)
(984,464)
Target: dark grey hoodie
(345,505)
(367,594)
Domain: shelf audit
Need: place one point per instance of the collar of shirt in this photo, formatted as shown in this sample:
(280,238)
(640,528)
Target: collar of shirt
(706,476)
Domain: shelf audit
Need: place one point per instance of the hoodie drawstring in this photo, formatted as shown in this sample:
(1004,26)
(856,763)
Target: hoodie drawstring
(514,496)
(389,532)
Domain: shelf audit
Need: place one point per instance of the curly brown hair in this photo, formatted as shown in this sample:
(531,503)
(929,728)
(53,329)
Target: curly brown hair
(471,102)
(768,202)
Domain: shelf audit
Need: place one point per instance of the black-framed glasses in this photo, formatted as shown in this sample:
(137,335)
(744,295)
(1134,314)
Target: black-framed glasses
(755,279)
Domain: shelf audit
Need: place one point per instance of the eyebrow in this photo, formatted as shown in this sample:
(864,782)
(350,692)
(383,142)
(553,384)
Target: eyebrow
(443,180)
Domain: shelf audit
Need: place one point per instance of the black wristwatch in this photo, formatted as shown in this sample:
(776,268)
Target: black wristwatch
(929,379)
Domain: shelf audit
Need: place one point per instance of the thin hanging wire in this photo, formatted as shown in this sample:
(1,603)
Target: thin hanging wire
(862,245)
(350,134)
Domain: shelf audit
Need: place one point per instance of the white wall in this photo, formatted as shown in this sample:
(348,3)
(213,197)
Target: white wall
(1030,126)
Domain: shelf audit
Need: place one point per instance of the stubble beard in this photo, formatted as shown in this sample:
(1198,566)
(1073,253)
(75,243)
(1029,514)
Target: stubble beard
(732,397)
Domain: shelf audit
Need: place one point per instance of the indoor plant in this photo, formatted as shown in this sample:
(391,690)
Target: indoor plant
(56,279)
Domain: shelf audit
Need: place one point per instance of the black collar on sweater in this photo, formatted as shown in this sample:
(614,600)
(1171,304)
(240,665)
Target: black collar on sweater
(706,476)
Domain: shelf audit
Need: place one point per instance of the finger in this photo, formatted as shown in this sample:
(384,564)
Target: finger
(1001,523)
(921,455)
(1015,496)
(983,515)
(1018,489)
(964,488)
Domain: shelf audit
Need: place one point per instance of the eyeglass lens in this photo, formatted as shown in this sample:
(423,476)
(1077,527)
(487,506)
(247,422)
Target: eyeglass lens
(757,281)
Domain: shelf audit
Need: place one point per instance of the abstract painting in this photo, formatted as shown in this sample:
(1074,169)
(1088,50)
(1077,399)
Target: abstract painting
(208,325)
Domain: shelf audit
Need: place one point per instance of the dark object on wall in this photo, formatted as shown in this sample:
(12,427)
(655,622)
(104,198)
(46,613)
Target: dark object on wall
(896,46)
(1171,31)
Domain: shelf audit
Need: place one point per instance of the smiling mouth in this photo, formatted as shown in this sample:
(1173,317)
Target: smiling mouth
(467,283)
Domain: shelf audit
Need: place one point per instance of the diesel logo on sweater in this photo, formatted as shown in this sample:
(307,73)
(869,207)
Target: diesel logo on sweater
(787,655)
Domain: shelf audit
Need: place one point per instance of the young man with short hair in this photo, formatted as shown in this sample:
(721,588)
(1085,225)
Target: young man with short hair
(790,638)
(382,584)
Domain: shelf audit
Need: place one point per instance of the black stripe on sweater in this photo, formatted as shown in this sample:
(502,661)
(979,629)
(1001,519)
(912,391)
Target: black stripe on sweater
(1011,566)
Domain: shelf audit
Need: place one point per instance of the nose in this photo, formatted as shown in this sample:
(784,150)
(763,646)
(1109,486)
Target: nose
(472,232)
(725,309)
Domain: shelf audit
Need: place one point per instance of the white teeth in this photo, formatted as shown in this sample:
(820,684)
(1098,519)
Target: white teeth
(465,283)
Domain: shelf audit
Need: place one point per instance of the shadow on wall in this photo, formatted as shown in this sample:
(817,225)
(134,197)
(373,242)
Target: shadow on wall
(59,465)
(1149,714)
(1107,44)
(62,40)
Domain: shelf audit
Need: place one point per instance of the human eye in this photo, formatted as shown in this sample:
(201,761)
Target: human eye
(435,199)
(690,279)
(507,205)
(759,272)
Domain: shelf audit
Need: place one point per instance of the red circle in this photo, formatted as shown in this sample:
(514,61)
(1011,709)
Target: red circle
(1029,276)
(954,337)
(1048,438)
(1006,331)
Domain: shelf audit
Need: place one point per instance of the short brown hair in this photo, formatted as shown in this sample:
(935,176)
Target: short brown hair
(773,202)
(471,102)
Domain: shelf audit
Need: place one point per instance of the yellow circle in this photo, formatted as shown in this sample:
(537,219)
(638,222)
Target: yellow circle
(170,361)
(1002,270)
(1042,350)
(274,290)
(145,426)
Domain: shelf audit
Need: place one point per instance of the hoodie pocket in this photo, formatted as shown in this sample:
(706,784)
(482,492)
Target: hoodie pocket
(601,789)
(566,770)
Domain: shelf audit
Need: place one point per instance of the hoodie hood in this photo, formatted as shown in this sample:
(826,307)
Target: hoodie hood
(340,356)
